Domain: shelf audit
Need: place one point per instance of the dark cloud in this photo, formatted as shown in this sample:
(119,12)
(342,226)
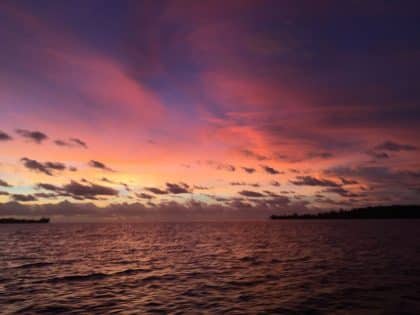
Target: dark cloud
(23,198)
(251,154)
(340,203)
(278,203)
(281,156)
(181,188)
(244,184)
(88,191)
(373,173)
(272,194)
(323,155)
(376,174)
(240,204)
(45,168)
(4,183)
(55,166)
(199,187)
(50,187)
(342,192)
(79,142)
(275,183)
(4,193)
(270,170)
(320,155)
(249,170)
(382,183)
(35,136)
(378,155)
(156,191)
(237,183)
(347,181)
(395,147)
(251,194)
(4,136)
(145,196)
(107,180)
(45,195)
(226,167)
(222,166)
(62,143)
(312,181)
(79,191)
(218,198)
(100,165)
(73,142)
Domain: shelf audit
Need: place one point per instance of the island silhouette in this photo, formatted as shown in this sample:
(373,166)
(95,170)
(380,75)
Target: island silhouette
(19,220)
(376,212)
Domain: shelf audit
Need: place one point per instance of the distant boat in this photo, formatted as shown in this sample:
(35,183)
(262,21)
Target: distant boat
(15,220)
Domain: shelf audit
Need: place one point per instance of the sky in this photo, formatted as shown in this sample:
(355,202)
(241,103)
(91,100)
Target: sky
(207,110)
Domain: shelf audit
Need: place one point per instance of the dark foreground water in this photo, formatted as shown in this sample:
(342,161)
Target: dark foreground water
(285,267)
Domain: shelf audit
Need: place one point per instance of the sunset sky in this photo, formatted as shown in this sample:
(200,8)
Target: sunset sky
(207,109)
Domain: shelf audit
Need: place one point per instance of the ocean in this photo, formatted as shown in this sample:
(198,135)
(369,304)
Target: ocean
(273,267)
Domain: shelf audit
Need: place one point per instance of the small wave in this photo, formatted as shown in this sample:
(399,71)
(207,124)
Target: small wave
(151,278)
(244,283)
(245,297)
(34,265)
(247,258)
(90,276)
(159,278)
(54,309)
(129,272)
(22,258)
(97,275)
(124,262)
(251,260)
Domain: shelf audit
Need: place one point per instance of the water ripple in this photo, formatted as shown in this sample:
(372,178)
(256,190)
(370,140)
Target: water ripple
(213,268)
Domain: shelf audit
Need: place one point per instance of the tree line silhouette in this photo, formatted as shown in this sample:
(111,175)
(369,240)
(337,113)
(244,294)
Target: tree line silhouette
(377,212)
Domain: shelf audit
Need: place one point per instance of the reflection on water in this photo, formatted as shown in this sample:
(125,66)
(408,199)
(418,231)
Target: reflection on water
(287,267)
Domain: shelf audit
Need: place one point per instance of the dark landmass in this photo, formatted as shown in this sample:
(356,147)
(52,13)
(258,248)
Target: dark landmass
(15,220)
(379,212)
